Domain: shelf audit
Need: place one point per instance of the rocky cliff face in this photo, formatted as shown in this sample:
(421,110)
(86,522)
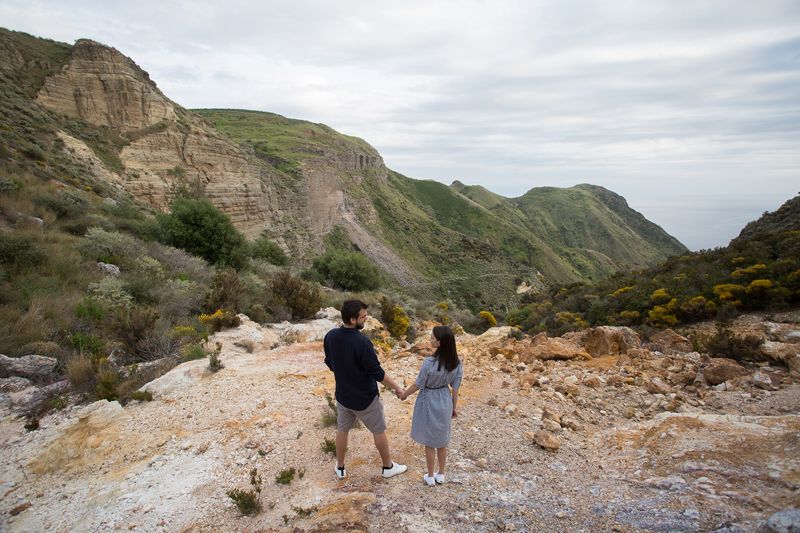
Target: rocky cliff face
(103,87)
(168,147)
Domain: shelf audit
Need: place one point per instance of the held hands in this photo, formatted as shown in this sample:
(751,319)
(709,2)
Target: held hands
(400,393)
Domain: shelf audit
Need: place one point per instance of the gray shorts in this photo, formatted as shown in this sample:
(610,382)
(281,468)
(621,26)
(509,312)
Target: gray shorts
(372,417)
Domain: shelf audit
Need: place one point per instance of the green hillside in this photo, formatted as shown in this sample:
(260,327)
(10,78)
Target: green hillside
(759,270)
(469,243)
(465,243)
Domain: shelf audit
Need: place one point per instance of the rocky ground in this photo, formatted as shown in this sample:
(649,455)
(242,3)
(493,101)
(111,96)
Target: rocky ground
(594,431)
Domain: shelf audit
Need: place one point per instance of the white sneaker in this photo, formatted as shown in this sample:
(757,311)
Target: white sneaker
(394,470)
(340,472)
(439,478)
(429,480)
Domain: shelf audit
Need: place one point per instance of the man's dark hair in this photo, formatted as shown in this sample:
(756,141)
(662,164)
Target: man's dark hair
(351,309)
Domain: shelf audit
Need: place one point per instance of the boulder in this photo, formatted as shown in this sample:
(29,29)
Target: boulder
(762,380)
(544,348)
(669,341)
(247,333)
(546,440)
(786,521)
(606,340)
(787,353)
(491,338)
(313,330)
(34,402)
(721,369)
(656,386)
(108,268)
(14,384)
(330,313)
(34,367)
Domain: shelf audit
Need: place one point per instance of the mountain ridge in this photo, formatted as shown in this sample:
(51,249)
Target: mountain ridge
(296,181)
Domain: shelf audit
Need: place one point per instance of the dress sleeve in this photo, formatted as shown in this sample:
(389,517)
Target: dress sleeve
(423,375)
(457,375)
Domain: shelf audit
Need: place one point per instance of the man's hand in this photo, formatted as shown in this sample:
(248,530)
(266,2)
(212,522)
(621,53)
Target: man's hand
(399,393)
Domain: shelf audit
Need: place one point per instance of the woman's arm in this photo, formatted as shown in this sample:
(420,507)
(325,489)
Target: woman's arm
(455,401)
(409,391)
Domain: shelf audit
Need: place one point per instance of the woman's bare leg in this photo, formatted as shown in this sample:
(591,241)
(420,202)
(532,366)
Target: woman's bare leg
(441,454)
(430,459)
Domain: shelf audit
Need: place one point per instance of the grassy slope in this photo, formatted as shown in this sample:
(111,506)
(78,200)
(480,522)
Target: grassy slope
(468,232)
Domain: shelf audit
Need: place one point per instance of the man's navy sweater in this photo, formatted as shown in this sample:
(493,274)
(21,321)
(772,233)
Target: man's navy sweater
(355,366)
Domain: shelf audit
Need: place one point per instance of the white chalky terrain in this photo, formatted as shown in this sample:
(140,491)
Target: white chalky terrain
(636,441)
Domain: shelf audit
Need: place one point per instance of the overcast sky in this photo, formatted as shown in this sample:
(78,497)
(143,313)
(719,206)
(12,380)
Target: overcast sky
(689,109)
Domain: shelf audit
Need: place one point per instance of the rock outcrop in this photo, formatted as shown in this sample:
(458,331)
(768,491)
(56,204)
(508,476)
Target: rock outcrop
(103,87)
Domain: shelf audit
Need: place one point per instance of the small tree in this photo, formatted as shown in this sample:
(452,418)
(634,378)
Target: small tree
(303,299)
(350,271)
(198,227)
(263,248)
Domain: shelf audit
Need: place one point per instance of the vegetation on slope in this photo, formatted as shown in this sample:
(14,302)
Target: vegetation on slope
(759,270)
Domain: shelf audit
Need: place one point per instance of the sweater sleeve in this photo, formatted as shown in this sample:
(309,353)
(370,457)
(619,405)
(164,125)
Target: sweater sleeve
(369,362)
(325,346)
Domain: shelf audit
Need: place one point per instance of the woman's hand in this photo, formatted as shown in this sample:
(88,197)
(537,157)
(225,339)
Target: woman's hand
(455,414)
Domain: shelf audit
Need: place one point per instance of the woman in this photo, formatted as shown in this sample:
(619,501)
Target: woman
(435,406)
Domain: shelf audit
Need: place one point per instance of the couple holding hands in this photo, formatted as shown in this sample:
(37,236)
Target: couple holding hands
(352,358)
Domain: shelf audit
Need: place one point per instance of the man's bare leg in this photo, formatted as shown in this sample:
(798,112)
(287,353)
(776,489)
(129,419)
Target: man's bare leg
(382,443)
(341,447)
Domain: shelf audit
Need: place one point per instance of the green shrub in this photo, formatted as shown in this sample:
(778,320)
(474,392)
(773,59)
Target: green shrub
(227,291)
(63,203)
(285,476)
(300,297)
(350,271)
(111,292)
(142,396)
(214,364)
(85,343)
(19,251)
(330,416)
(248,501)
(132,327)
(192,352)
(90,310)
(198,227)
(263,248)
(329,446)
(109,246)
(394,318)
(219,320)
(488,319)
(107,383)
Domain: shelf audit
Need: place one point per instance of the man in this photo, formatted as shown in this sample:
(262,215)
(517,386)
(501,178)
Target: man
(352,358)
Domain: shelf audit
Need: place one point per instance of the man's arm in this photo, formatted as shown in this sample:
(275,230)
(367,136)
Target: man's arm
(327,353)
(390,383)
(373,367)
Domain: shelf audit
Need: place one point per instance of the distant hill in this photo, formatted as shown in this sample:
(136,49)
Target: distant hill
(785,218)
(758,270)
(87,116)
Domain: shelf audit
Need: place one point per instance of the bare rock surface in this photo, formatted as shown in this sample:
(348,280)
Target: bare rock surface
(638,449)
(34,367)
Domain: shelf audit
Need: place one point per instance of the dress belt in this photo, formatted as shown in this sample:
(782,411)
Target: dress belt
(435,388)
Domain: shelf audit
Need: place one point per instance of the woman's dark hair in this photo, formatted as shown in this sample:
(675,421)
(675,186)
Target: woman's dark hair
(446,352)
(351,309)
